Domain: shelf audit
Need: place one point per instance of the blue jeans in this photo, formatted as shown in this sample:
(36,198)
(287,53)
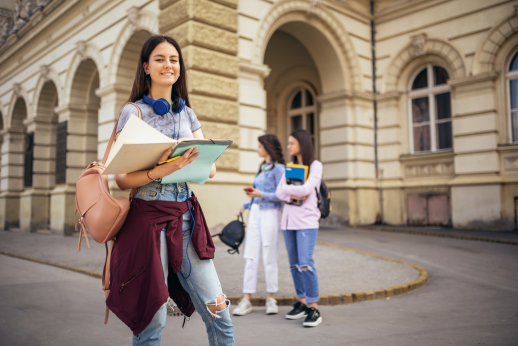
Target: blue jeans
(202,284)
(300,246)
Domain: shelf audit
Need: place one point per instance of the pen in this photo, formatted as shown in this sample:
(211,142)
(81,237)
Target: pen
(169,160)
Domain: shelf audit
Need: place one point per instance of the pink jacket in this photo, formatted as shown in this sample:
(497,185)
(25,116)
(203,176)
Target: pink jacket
(307,215)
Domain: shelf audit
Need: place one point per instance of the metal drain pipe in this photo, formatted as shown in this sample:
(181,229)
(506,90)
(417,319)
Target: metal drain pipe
(379,173)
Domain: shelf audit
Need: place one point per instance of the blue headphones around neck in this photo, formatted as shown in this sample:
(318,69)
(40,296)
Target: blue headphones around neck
(161,106)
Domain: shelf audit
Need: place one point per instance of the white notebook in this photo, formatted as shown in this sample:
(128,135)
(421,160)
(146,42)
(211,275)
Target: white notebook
(140,147)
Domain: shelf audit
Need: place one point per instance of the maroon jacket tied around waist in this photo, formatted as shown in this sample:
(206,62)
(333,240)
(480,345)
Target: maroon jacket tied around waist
(137,285)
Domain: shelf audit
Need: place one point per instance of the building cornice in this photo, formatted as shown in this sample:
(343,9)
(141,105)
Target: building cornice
(470,80)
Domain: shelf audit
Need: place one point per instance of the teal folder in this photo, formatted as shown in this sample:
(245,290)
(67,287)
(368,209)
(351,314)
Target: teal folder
(197,171)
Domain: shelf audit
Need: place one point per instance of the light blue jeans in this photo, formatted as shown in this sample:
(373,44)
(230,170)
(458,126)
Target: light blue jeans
(300,246)
(202,284)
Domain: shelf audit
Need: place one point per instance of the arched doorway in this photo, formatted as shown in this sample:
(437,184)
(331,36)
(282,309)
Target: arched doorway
(13,166)
(39,177)
(76,143)
(313,84)
(129,58)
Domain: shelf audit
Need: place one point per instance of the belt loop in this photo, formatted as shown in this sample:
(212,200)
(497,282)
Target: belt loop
(177,191)
(162,189)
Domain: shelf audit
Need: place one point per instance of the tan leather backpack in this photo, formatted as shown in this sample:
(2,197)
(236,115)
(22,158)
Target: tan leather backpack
(100,213)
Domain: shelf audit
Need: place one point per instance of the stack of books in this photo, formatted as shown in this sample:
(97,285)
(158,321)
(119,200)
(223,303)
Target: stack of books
(296,175)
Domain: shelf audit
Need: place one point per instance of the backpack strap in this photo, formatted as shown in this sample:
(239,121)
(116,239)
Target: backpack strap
(105,278)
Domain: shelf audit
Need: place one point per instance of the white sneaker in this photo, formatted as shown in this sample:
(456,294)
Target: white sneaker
(271,306)
(244,307)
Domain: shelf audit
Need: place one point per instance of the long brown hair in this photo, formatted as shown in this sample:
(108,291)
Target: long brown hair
(273,147)
(306,147)
(142,82)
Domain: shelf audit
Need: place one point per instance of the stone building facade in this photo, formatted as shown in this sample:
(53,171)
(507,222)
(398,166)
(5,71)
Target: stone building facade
(446,99)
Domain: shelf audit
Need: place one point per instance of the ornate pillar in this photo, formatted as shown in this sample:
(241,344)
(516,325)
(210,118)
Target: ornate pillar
(35,200)
(11,184)
(347,155)
(476,190)
(81,144)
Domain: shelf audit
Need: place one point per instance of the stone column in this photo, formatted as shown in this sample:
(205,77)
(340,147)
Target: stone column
(35,200)
(11,177)
(346,141)
(112,98)
(207,32)
(390,142)
(475,191)
(81,151)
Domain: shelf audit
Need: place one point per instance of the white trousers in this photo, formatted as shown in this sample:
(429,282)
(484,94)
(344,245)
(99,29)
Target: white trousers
(263,233)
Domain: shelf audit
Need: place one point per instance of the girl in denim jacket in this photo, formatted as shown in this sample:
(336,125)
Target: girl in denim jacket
(263,226)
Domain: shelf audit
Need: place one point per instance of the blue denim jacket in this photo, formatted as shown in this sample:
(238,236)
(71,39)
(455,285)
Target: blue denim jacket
(267,183)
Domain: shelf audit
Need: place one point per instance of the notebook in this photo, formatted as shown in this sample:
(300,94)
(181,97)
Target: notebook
(140,147)
(296,175)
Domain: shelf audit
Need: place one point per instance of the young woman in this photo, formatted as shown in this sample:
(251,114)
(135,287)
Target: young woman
(263,226)
(164,248)
(300,228)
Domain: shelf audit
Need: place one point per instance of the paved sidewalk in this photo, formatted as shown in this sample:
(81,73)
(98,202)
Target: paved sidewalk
(510,237)
(340,271)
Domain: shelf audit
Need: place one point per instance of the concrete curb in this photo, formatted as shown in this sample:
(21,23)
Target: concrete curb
(353,297)
(332,299)
(434,234)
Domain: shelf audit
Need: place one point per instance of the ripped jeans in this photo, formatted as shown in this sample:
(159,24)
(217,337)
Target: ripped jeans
(202,284)
(300,246)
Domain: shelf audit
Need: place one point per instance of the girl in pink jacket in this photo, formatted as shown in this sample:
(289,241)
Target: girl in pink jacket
(300,229)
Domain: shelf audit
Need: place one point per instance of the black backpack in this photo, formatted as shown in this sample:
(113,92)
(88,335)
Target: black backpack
(233,234)
(324,200)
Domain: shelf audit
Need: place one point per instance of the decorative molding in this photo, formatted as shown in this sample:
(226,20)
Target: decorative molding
(81,50)
(335,28)
(511,163)
(134,17)
(487,51)
(17,89)
(429,170)
(6,22)
(419,44)
(262,70)
(45,72)
(313,6)
(432,46)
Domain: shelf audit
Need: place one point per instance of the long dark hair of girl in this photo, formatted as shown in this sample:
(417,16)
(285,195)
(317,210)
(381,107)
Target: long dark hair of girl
(306,147)
(273,147)
(142,83)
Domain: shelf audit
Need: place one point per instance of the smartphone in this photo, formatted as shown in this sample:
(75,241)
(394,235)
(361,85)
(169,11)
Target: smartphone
(248,189)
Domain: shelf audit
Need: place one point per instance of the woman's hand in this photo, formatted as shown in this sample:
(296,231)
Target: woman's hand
(170,167)
(255,193)
(241,210)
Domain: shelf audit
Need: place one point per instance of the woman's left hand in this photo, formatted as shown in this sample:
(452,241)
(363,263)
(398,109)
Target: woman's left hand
(255,193)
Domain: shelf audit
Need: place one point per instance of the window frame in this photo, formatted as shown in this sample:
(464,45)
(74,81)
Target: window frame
(304,111)
(430,92)
(509,76)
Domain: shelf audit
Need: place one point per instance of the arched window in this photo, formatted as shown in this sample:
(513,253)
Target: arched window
(430,111)
(512,76)
(302,113)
